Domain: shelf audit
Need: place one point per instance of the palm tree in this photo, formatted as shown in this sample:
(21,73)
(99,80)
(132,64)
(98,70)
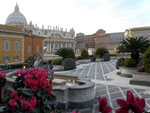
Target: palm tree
(65,53)
(135,46)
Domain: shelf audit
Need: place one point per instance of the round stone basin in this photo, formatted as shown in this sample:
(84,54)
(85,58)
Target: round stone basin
(79,95)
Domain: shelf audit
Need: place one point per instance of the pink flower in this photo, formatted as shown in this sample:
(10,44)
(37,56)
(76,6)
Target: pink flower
(103,105)
(131,103)
(1,69)
(50,81)
(12,102)
(14,93)
(2,75)
(25,105)
(49,91)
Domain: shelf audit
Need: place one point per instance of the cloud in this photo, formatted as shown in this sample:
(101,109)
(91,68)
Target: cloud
(85,16)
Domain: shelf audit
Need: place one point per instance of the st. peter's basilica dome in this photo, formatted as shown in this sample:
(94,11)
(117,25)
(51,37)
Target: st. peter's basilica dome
(16,18)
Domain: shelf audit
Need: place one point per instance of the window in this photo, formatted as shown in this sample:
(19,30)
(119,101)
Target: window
(16,58)
(37,48)
(29,48)
(16,45)
(7,45)
(7,58)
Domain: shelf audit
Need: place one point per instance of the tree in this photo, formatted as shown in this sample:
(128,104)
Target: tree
(66,53)
(146,60)
(84,53)
(135,46)
(101,51)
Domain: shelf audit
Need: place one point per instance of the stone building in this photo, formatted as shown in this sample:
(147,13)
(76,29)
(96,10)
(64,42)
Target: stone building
(80,43)
(114,41)
(55,37)
(56,42)
(31,43)
(101,41)
(139,32)
(11,45)
(87,41)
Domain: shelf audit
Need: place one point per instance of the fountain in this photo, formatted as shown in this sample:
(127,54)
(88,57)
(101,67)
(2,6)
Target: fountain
(70,92)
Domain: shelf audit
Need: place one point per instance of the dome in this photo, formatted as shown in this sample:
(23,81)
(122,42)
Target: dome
(16,18)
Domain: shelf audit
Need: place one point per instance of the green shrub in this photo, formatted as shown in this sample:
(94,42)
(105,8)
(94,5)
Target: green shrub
(65,53)
(106,57)
(129,62)
(79,57)
(84,53)
(101,51)
(146,60)
(69,64)
(57,62)
(16,66)
(120,62)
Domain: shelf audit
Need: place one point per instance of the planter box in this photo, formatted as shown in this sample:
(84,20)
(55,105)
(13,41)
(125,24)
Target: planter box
(58,67)
(83,61)
(141,78)
(127,71)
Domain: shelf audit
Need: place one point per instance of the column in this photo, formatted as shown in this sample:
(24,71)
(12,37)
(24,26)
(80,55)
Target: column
(49,47)
(54,47)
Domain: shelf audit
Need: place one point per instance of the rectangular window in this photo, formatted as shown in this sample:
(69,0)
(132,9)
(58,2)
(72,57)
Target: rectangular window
(37,48)
(7,58)
(16,58)
(16,45)
(29,48)
(6,45)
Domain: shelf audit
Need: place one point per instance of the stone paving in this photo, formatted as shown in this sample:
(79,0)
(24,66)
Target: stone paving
(98,71)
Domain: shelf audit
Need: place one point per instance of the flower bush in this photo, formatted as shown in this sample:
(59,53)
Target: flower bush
(32,94)
(140,69)
(2,79)
(130,105)
(18,103)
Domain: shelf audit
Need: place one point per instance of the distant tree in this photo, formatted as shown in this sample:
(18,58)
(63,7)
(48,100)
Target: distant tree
(101,51)
(65,53)
(135,46)
(84,53)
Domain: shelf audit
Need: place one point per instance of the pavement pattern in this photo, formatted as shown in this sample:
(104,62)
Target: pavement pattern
(99,71)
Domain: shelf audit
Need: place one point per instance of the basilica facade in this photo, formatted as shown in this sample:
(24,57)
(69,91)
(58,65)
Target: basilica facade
(55,37)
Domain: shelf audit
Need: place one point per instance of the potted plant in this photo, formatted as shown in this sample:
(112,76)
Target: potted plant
(2,84)
(32,93)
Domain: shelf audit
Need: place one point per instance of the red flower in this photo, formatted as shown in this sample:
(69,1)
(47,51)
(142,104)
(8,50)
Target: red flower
(49,91)
(12,102)
(103,105)
(50,81)
(25,105)
(135,104)
(2,75)
(33,101)
(1,69)
(14,94)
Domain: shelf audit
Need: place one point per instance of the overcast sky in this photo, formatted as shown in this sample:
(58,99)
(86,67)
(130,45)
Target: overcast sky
(85,16)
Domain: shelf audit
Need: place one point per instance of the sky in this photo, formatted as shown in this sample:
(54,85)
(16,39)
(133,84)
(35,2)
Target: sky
(86,16)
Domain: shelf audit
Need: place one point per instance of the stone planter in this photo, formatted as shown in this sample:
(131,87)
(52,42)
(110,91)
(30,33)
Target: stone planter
(127,71)
(141,78)
(83,61)
(58,67)
(79,96)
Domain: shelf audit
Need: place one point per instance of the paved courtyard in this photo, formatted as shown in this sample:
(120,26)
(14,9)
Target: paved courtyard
(108,84)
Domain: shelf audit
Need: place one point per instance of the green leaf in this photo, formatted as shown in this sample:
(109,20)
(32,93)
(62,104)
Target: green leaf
(2,108)
(27,91)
